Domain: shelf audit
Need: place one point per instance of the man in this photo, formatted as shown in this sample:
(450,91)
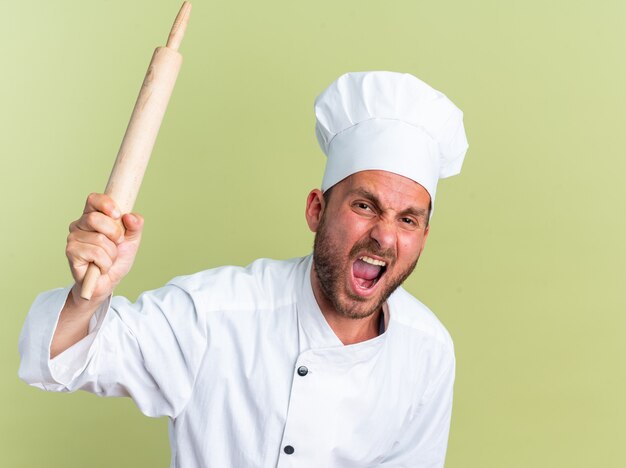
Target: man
(322,361)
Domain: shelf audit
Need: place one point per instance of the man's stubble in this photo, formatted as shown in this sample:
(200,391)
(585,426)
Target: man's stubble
(332,270)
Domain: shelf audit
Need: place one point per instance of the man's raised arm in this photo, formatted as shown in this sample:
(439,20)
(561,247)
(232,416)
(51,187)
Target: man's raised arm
(102,235)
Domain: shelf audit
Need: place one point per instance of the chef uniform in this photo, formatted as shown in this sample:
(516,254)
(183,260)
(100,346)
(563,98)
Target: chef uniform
(242,360)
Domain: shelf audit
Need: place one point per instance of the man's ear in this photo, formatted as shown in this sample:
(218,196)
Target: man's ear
(314,209)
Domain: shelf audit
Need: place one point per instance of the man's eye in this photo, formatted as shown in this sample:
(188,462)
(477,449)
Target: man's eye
(363,206)
(409,221)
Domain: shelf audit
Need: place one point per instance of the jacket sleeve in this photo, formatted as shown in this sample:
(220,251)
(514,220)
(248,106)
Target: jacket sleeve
(425,439)
(150,350)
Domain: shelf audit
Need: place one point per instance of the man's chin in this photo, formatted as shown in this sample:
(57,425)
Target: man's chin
(359,307)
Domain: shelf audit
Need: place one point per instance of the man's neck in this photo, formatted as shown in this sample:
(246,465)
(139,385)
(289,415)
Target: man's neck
(348,330)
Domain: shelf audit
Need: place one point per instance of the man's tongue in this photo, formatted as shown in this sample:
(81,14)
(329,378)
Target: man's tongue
(365,273)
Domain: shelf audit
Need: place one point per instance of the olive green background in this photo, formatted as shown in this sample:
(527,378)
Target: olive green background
(525,261)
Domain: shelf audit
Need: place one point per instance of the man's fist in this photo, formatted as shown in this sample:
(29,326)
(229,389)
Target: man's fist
(102,235)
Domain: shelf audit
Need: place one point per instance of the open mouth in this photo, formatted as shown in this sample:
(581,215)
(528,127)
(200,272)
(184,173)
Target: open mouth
(367,271)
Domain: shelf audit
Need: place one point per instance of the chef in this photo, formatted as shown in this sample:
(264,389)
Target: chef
(320,361)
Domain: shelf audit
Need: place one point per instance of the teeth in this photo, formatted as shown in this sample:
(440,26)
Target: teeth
(373,261)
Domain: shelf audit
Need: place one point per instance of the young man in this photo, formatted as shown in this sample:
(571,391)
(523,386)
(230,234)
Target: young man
(321,361)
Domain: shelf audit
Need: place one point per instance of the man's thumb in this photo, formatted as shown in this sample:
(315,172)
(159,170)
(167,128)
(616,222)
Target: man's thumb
(133,223)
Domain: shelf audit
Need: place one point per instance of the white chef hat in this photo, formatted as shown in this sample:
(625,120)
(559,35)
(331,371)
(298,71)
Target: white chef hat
(389,121)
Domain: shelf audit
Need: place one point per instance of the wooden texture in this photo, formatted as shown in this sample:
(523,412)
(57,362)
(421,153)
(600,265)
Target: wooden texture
(143,127)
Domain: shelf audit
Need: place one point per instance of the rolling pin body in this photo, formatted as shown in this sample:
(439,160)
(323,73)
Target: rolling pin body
(143,127)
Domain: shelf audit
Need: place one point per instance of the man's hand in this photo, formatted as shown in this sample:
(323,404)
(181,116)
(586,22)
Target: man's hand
(104,237)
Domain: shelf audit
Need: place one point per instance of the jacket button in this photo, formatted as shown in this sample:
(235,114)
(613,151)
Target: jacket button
(302,371)
(289,449)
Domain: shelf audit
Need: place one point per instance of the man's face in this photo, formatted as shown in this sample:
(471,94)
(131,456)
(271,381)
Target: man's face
(368,239)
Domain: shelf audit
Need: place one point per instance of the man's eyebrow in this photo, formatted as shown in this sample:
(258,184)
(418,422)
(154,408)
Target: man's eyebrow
(365,194)
(417,212)
(360,191)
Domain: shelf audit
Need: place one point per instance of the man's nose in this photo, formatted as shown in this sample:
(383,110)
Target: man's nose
(385,235)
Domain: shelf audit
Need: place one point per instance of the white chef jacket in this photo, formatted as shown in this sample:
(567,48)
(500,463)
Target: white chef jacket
(250,374)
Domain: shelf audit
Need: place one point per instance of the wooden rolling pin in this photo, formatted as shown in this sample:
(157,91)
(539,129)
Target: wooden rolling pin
(134,154)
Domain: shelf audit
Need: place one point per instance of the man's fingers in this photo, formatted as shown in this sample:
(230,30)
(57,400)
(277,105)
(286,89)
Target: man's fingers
(96,221)
(82,238)
(81,254)
(102,203)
